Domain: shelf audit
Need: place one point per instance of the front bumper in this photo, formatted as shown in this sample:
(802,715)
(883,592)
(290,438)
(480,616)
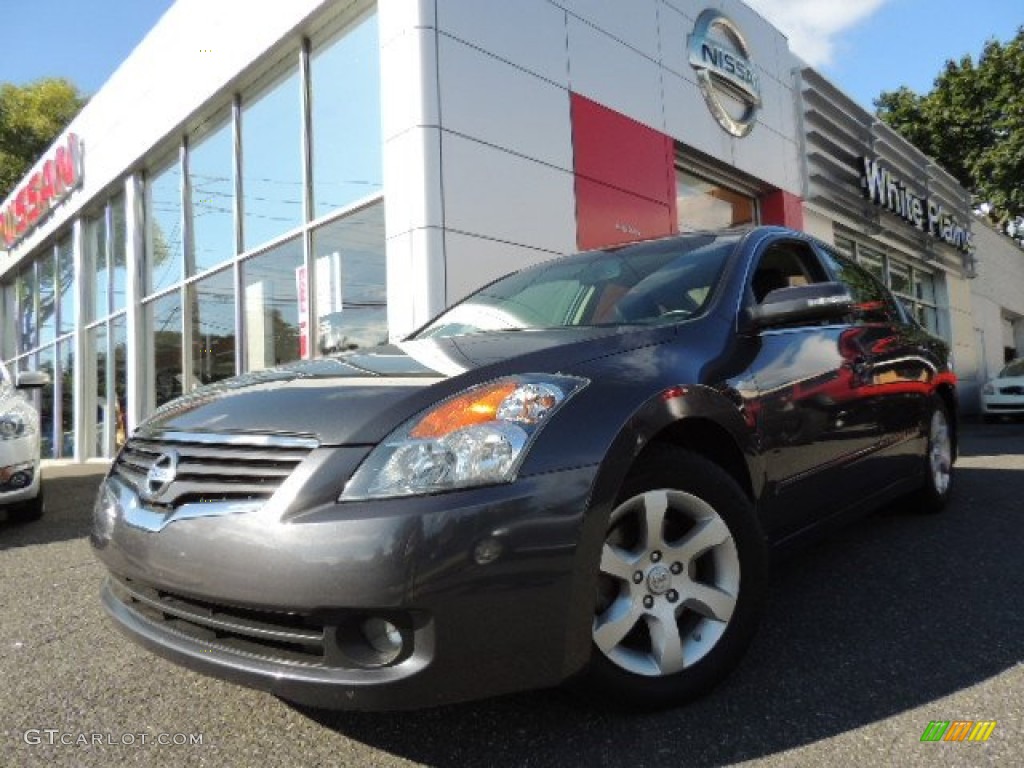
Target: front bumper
(267,599)
(1006,405)
(18,456)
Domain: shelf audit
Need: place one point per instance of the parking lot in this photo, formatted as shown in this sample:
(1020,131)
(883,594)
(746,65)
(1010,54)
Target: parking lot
(894,622)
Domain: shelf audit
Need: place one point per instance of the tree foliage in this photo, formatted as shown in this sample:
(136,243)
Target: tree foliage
(972,123)
(31,117)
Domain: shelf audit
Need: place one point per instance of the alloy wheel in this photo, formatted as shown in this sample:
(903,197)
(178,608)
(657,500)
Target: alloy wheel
(669,583)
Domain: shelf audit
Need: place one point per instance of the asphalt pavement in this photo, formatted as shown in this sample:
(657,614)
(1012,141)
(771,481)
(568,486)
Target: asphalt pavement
(893,622)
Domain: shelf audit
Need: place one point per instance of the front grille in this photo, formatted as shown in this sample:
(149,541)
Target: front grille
(281,637)
(1015,390)
(212,468)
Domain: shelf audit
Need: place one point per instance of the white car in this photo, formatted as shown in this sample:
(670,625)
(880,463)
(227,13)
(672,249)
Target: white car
(1004,395)
(21,493)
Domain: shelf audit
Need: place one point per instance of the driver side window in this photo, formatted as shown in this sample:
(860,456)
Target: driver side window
(785,265)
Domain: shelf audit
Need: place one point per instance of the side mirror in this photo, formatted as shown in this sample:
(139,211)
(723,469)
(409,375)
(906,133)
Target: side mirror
(31,379)
(817,302)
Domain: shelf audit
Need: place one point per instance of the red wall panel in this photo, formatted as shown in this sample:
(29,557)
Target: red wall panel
(782,208)
(625,177)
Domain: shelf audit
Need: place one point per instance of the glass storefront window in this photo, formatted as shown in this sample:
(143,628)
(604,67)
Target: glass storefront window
(48,447)
(66,285)
(164,254)
(899,278)
(213,328)
(46,271)
(351,290)
(119,347)
(272,284)
(66,356)
(703,204)
(95,236)
(873,262)
(164,320)
(97,344)
(9,321)
(119,251)
(27,320)
(345,107)
(212,183)
(272,160)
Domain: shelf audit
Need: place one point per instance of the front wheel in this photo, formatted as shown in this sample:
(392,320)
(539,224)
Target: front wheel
(683,575)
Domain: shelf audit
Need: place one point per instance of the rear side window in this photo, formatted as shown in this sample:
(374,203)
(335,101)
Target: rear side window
(872,302)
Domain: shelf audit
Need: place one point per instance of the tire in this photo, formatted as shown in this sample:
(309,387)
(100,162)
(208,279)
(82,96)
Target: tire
(938,461)
(677,607)
(27,511)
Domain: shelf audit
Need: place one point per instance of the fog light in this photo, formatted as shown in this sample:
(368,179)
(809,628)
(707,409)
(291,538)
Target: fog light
(20,480)
(383,637)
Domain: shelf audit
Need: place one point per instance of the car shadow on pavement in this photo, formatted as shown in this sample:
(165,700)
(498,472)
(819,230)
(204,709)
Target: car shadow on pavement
(69,491)
(891,613)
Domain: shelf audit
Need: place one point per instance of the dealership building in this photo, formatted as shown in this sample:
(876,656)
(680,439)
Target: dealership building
(253,188)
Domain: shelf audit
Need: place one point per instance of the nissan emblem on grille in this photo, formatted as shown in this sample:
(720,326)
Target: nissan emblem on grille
(160,475)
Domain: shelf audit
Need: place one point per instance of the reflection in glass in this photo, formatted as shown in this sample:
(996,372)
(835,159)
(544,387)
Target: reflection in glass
(27,321)
(66,286)
(873,262)
(163,318)
(351,291)
(213,198)
(163,228)
(45,271)
(48,449)
(9,321)
(119,345)
(272,161)
(703,205)
(119,248)
(95,244)
(213,328)
(899,278)
(271,301)
(346,132)
(66,354)
(97,342)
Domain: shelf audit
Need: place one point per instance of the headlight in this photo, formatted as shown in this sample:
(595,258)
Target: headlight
(988,389)
(478,437)
(12,425)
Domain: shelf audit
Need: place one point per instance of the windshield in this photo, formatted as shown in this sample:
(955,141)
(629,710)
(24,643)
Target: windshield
(640,285)
(1014,368)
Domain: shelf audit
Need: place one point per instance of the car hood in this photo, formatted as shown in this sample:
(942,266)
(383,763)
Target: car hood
(358,398)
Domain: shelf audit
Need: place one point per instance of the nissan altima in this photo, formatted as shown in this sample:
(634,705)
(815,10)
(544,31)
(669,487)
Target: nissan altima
(579,471)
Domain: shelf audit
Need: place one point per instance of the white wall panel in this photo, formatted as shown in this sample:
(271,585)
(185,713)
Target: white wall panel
(765,155)
(409,100)
(527,33)
(688,120)
(412,180)
(612,74)
(501,196)
(415,280)
(523,113)
(674,29)
(635,22)
(475,261)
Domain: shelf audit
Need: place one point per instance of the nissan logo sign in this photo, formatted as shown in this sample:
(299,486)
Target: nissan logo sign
(160,476)
(727,77)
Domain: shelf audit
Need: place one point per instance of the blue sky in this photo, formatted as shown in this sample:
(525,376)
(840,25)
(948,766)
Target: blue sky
(864,46)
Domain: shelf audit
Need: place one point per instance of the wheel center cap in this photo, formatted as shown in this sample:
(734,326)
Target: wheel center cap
(659,579)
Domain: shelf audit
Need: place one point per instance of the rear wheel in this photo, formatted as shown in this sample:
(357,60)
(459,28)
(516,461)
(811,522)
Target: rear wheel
(683,574)
(938,482)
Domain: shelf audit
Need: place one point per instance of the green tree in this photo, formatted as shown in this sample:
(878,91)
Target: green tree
(972,123)
(31,117)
